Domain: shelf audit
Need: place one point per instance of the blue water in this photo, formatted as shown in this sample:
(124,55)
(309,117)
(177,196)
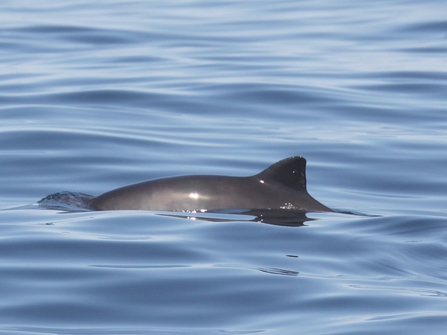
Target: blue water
(97,95)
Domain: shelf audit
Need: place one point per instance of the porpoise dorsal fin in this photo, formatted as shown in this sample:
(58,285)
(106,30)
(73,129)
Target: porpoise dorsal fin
(290,172)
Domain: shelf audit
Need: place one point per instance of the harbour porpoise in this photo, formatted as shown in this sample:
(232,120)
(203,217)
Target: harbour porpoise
(280,186)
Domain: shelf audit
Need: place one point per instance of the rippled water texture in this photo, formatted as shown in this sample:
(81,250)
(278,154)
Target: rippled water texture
(94,96)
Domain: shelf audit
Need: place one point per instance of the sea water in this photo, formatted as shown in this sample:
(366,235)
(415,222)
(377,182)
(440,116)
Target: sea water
(97,95)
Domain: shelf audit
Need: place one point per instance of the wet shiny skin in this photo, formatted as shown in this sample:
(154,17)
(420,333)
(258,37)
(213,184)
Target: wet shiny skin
(282,185)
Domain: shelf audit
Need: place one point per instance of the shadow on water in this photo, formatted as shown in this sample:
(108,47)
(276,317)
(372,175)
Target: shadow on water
(70,202)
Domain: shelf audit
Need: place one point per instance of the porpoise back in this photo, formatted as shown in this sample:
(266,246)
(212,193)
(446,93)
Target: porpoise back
(282,185)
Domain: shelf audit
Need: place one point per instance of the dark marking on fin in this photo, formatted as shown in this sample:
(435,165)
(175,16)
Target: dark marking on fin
(290,172)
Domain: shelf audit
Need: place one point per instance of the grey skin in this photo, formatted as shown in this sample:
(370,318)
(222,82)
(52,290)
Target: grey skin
(282,185)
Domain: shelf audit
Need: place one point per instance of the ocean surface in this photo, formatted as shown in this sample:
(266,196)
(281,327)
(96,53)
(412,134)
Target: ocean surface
(97,95)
